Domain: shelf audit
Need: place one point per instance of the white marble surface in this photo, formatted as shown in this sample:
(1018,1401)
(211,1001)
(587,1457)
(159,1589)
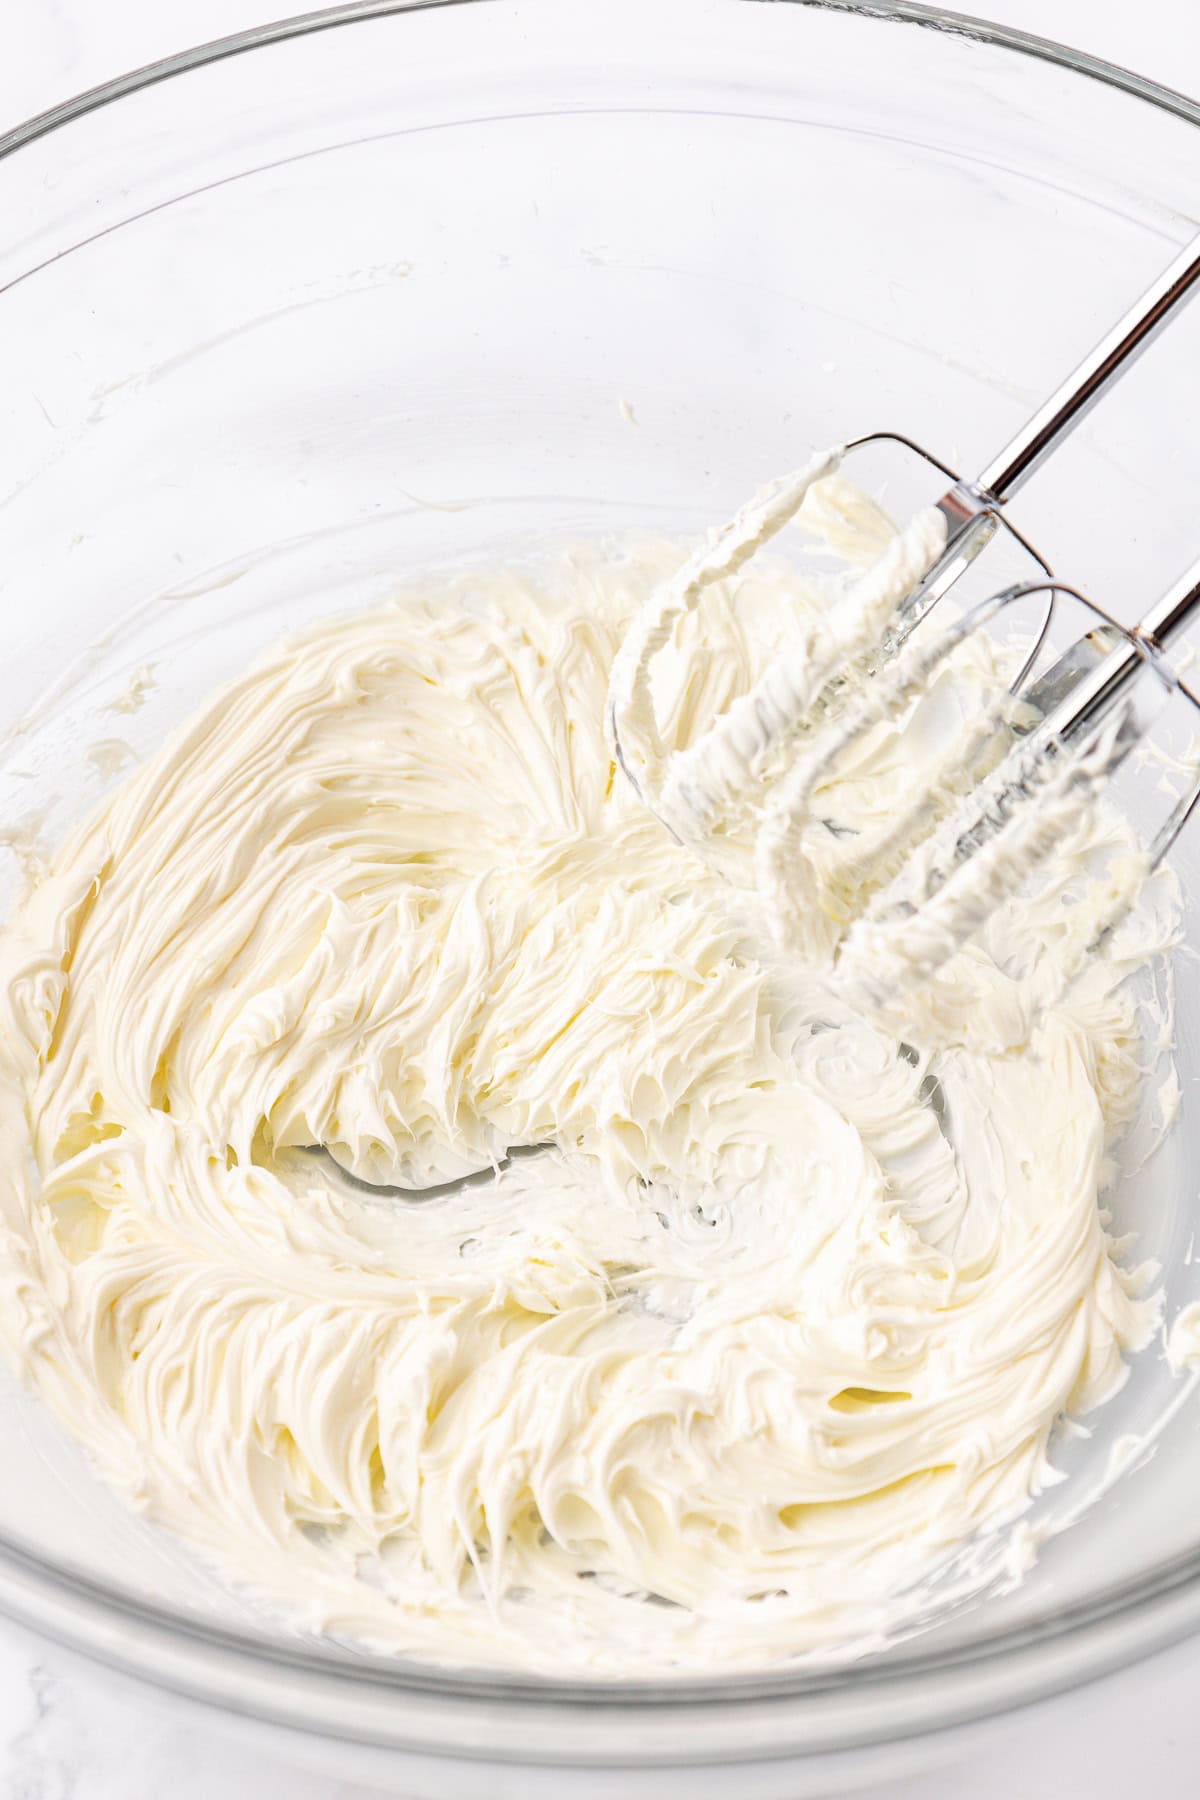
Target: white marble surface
(68,1733)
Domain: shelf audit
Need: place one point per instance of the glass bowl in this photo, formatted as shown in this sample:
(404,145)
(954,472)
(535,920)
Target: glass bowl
(292,316)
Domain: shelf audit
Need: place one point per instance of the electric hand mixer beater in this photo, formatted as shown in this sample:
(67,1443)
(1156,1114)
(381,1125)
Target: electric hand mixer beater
(932,878)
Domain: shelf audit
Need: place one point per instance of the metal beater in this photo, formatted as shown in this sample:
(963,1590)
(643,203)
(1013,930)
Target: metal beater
(1069,726)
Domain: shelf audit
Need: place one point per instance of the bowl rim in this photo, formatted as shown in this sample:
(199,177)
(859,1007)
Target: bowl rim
(350,12)
(225,1667)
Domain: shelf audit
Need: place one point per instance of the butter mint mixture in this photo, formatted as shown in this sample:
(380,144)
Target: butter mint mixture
(732,1315)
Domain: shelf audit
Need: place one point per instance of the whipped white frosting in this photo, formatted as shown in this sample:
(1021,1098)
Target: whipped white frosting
(760,1331)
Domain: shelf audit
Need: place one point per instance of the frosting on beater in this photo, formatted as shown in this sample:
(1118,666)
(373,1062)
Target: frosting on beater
(757,1330)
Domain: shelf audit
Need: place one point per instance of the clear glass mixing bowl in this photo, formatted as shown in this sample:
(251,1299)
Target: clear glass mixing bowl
(292,316)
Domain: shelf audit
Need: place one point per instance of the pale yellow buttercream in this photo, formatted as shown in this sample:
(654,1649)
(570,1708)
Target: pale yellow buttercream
(762,1334)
